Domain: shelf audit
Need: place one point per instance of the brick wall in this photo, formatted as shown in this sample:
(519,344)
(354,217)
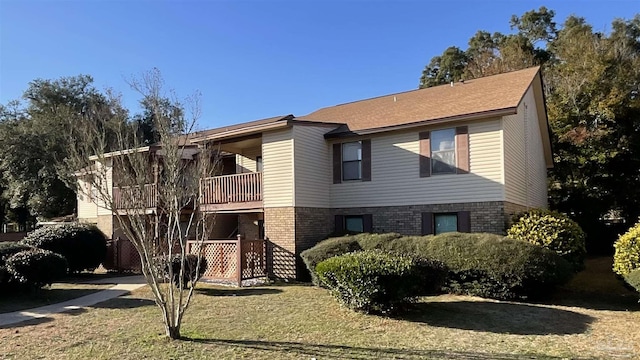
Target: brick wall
(279,226)
(485,216)
(510,209)
(312,226)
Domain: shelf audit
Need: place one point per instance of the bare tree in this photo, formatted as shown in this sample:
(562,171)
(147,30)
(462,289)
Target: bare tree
(153,191)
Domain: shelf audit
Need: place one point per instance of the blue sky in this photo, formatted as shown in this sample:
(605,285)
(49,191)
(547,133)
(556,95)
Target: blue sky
(254,59)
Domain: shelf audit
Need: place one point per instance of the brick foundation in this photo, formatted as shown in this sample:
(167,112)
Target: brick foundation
(279,229)
(291,230)
(486,216)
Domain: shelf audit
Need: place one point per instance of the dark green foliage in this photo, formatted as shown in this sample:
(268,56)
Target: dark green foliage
(493,266)
(378,282)
(8,248)
(191,272)
(83,246)
(484,265)
(36,268)
(633,279)
(325,250)
(552,230)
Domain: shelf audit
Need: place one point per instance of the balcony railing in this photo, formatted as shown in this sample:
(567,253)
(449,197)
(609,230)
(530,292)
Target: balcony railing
(236,188)
(133,197)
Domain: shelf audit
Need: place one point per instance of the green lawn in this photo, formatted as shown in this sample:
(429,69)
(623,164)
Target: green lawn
(304,322)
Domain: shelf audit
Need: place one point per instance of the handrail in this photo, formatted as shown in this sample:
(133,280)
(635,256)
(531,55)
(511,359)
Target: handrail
(234,188)
(133,199)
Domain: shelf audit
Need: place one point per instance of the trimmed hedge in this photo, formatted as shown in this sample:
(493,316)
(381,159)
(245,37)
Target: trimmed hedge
(552,230)
(325,250)
(627,251)
(36,268)
(84,246)
(7,249)
(633,279)
(373,281)
(497,267)
(479,264)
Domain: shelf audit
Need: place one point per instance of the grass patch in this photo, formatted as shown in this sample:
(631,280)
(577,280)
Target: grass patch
(56,293)
(301,322)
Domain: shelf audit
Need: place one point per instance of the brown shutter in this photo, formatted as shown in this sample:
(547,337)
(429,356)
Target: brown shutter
(337,163)
(367,223)
(427,223)
(462,149)
(425,154)
(366,160)
(464,221)
(339,224)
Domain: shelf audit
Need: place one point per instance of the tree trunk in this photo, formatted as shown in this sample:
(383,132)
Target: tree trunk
(173,332)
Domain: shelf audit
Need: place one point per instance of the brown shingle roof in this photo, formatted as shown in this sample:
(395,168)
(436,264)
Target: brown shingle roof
(477,96)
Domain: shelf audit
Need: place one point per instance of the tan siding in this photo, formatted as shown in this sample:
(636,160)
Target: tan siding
(108,181)
(277,157)
(396,173)
(312,167)
(246,160)
(525,169)
(87,209)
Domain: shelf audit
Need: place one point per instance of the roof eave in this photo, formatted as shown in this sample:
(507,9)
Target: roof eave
(244,131)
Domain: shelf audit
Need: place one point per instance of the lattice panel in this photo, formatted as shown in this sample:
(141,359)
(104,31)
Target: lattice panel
(253,260)
(222,260)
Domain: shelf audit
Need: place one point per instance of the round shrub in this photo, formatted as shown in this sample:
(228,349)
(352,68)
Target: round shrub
(378,282)
(552,230)
(36,268)
(633,279)
(84,246)
(327,249)
(7,249)
(627,251)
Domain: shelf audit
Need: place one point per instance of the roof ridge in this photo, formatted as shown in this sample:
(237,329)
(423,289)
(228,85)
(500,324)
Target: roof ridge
(416,90)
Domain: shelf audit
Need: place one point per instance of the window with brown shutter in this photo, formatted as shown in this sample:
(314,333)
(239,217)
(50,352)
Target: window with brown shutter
(366,160)
(337,163)
(438,223)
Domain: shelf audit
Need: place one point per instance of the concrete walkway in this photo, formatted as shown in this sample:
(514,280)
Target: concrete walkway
(123,285)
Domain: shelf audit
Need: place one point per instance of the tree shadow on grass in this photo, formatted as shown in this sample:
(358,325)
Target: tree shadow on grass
(237,291)
(499,317)
(327,351)
(124,303)
(594,300)
(31,322)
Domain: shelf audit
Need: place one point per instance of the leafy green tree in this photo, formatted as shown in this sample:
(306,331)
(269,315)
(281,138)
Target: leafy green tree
(33,141)
(450,66)
(592,87)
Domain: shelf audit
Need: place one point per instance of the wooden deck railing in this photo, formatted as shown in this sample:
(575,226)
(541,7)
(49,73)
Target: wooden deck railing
(129,197)
(232,188)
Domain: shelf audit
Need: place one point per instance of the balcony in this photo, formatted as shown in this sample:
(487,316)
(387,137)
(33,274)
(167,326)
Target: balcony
(133,197)
(232,192)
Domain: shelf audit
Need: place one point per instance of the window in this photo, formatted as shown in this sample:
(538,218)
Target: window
(258,163)
(445,223)
(353,224)
(443,153)
(352,161)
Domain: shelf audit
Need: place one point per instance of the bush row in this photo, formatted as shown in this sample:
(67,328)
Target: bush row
(484,265)
(23,266)
(83,246)
(374,281)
